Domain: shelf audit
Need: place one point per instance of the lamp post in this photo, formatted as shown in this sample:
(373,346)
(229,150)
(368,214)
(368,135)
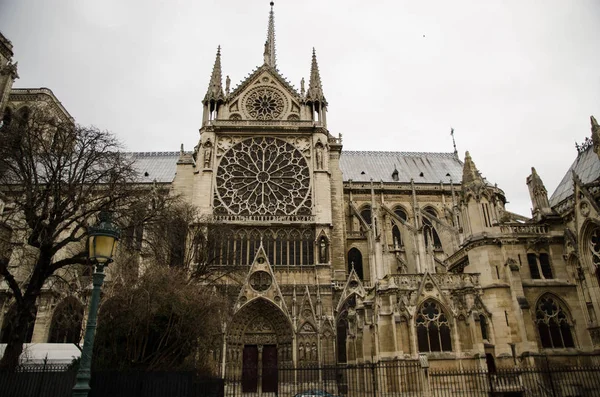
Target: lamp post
(102,242)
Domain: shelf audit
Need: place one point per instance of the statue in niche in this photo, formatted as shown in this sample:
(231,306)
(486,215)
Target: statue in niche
(323,250)
(207,154)
(319,156)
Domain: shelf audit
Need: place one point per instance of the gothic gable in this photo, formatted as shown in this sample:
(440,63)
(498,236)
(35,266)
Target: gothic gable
(265,96)
(261,283)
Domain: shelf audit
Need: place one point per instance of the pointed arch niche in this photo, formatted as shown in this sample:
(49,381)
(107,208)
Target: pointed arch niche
(355,261)
(67,322)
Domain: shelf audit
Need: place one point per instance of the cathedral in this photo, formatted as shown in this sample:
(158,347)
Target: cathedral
(363,256)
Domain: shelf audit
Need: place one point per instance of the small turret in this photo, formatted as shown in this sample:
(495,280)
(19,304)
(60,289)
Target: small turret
(214,95)
(314,95)
(471,176)
(539,195)
(479,201)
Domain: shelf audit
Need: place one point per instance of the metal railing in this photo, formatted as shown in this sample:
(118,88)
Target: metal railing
(385,378)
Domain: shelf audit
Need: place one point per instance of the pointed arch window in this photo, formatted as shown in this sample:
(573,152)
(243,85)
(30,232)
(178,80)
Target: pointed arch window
(67,322)
(433,328)
(484,327)
(431,236)
(365,213)
(553,324)
(355,261)
(399,211)
(342,335)
(539,266)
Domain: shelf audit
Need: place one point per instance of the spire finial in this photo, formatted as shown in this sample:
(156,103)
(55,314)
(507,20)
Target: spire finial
(269,53)
(315,90)
(453,142)
(215,87)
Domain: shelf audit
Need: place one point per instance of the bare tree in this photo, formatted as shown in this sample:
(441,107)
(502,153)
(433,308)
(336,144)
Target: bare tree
(54,177)
(162,310)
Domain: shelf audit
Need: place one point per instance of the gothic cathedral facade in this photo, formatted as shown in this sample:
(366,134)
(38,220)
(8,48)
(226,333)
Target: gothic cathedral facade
(355,256)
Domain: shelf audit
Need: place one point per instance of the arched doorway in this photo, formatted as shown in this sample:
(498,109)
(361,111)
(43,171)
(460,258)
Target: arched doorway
(259,342)
(355,261)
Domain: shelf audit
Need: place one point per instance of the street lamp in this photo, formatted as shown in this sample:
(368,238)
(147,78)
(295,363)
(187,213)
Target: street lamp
(102,243)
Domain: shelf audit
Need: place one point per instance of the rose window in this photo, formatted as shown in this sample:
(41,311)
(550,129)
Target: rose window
(265,104)
(263,176)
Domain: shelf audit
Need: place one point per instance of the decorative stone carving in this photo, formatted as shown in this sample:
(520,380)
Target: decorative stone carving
(265,103)
(584,208)
(260,281)
(263,176)
(207,154)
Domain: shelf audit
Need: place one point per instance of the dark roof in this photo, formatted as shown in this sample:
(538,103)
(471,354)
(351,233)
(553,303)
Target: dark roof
(587,168)
(435,167)
(159,166)
(355,165)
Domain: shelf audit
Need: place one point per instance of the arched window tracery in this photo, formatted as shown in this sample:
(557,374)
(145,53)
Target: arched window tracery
(433,328)
(67,322)
(554,326)
(284,247)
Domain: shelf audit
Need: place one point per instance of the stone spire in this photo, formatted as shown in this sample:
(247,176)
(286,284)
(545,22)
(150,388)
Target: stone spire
(538,194)
(315,90)
(215,87)
(595,134)
(269,53)
(470,173)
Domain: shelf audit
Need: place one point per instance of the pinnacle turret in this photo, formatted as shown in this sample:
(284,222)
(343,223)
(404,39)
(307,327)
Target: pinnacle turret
(595,134)
(538,194)
(215,87)
(315,90)
(470,173)
(269,54)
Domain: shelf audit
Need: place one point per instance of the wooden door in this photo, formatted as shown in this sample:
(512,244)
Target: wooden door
(250,369)
(269,369)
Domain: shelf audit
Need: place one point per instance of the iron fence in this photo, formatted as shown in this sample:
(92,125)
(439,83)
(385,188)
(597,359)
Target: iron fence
(382,379)
(512,382)
(389,378)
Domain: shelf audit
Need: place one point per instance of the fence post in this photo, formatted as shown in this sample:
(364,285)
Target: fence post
(373,379)
(549,374)
(424,362)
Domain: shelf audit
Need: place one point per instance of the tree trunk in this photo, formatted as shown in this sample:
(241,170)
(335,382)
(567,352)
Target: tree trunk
(19,326)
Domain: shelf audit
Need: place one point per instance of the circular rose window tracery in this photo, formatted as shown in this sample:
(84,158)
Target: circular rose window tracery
(265,104)
(263,176)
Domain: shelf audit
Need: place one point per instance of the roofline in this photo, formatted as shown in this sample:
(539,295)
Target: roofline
(43,91)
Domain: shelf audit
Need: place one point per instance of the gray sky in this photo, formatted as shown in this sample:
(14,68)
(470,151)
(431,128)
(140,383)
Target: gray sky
(517,79)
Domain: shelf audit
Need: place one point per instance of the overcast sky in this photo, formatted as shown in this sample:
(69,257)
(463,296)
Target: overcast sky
(517,80)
